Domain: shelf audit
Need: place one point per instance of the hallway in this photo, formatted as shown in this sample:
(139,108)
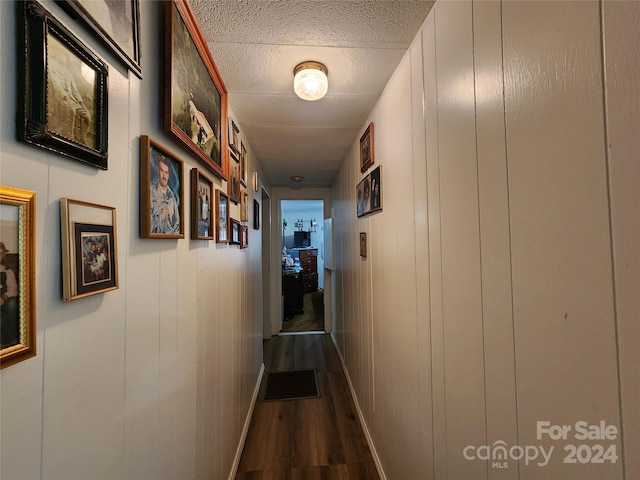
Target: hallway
(312,438)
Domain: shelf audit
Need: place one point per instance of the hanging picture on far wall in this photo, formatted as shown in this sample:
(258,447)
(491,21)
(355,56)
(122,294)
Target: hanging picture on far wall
(369,193)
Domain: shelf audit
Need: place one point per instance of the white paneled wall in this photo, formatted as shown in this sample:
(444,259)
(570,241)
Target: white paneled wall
(155,379)
(498,288)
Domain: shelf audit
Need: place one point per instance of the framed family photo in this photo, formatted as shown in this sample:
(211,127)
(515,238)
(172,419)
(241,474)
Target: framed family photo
(17,275)
(89,249)
(234,228)
(363,244)
(222,217)
(115,22)
(234,136)
(161,191)
(195,109)
(369,193)
(63,102)
(201,204)
(256,214)
(244,236)
(366,149)
(233,184)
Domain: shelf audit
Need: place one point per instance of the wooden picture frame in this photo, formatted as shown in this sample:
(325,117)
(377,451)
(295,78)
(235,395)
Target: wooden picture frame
(89,249)
(201,203)
(244,236)
(222,217)
(363,244)
(233,185)
(369,193)
(115,23)
(234,229)
(366,149)
(161,191)
(234,136)
(244,207)
(63,98)
(256,214)
(195,109)
(256,181)
(17,275)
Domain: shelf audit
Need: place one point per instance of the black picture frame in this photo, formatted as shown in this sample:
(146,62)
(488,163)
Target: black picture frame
(195,98)
(369,193)
(94,278)
(234,229)
(256,214)
(115,22)
(63,99)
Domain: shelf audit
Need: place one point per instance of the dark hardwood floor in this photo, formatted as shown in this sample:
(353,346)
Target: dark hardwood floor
(312,438)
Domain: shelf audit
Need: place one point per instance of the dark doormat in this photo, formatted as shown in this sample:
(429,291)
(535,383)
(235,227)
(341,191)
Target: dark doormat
(291,385)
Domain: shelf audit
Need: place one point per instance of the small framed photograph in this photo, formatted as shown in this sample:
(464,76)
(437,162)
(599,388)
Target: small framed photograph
(243,164)
(244,236)
(256,181)
(234,137)
(234,227)
(116,23)
(369,193)
(161,191)
(363,244)
(366,149)
(201,202)
(89,250)
(17,275)
(195,108)
(256,214)
(244,208)
(222,217)
(63,102)
(233,185)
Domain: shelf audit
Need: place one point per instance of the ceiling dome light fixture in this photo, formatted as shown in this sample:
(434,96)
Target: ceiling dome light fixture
(310,80)
(297,178)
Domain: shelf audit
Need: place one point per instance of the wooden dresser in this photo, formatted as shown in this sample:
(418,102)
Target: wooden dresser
(309,263)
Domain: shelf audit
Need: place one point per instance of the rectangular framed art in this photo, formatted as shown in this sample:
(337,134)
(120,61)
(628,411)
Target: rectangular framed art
(89,249)
(201,197)
(233,185)
(363,244)
(366,149)
(244,236)
(17,275)
(222,217)
(369,193)
(63,102)
(234,228)
(243,164)
(161,191)
(115,22)
(256,214)
(195,109)
(234,136)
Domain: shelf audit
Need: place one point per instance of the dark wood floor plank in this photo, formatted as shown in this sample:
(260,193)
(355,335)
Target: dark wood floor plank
(306,439)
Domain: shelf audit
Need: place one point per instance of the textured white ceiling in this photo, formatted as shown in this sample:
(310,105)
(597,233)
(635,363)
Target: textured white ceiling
(257,43)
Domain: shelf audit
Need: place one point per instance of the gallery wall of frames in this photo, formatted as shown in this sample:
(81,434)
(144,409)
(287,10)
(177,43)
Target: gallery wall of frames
(63,108)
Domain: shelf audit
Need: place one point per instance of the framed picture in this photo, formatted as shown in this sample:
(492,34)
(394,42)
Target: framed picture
(89,253)
(63,102)
(234,136)
(256,182)
(256,214)
(366,149)
(233,185)
(222,217)
(161,191)
(17,275)
(369,193)
(244,236)
(201,197)
(243,164)
(115,22)
(234,227)
(363,244)
(244,208)
(195,109)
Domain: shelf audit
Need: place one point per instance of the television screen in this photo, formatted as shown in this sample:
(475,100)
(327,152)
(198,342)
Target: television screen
(301,239)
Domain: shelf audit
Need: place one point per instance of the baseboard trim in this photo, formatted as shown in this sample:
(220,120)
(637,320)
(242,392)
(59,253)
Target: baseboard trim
(245,429)
(363,423)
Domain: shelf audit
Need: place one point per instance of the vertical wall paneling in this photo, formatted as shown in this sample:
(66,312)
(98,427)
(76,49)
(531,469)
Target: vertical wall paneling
(562,285)
(621,42)
(494,232)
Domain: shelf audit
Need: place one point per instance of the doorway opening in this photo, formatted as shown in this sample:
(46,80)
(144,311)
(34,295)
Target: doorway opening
(302,266)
